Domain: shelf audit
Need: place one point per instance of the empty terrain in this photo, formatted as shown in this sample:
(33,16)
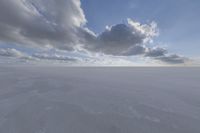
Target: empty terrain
(99,100)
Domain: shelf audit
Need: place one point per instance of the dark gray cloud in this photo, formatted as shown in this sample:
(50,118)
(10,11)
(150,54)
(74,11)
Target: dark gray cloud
(41,22)
(120,38)
(123,39)
(135,50)
(156,52)
(173,59)
(161,54)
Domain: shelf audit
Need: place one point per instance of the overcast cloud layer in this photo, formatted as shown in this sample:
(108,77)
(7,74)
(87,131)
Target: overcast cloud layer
(62,24)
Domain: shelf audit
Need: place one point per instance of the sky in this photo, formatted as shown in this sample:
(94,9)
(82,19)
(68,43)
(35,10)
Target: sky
(100,32)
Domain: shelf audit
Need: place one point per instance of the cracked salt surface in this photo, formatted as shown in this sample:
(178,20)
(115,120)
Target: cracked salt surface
(99,100)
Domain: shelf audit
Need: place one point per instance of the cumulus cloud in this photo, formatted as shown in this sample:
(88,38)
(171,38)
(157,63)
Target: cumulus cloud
(124,39)
(62,24)
(41,22)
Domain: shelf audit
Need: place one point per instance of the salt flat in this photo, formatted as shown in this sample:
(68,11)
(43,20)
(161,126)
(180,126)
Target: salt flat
(99,100)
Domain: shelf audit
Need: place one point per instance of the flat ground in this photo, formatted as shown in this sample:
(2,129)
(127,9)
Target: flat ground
(99,100)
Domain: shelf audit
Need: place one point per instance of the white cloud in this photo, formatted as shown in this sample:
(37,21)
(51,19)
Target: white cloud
(147,30)
(54,57)
(10,53)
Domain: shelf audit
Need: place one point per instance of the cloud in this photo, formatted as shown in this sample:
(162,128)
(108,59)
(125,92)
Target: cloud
(136,50)
(156,52)
(41,22)
(13,53)
(120,39)
(10,52)
(161,54)
(173,59)
(55,57)
(61,24)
